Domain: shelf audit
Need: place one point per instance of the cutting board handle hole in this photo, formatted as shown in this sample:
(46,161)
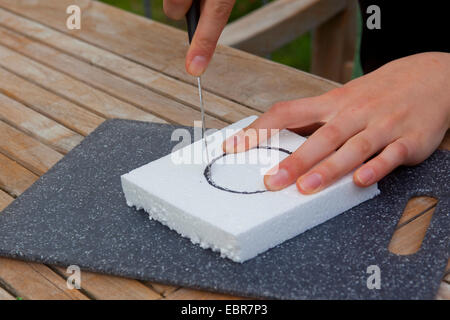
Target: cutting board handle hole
(412,226)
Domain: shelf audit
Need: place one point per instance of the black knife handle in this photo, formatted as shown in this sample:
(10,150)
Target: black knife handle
(192,17)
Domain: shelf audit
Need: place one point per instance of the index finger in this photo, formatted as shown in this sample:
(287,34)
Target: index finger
(213,18)
(282,115)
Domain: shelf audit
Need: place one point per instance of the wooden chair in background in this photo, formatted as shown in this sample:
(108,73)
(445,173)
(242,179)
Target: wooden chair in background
(332,22)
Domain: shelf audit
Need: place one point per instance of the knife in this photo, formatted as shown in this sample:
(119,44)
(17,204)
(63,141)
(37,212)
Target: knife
(192,18)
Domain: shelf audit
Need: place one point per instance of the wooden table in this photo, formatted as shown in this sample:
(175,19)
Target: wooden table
(57,86)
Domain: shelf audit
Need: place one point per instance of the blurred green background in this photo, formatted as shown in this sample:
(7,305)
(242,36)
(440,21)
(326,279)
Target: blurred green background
(296,54)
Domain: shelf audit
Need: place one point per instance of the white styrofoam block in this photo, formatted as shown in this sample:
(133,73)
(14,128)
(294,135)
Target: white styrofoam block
(239,226)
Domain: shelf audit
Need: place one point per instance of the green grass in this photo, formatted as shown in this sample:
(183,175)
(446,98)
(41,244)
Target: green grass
(296,54)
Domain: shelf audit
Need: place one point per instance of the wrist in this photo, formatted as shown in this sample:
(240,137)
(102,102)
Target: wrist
(442,60)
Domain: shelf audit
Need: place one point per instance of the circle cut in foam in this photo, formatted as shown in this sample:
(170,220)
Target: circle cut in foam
(244,172)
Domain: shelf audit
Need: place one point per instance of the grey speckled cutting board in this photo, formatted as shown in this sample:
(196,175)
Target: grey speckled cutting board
(76,214)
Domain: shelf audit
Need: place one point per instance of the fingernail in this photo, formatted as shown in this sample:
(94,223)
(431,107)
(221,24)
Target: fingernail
(311,182)
(231,144)
(277,180)
(197,66)
(366,175)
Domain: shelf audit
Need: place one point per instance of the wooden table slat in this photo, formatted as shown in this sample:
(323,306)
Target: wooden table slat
(38,126)
(416,206)
(162,289)
(27,151)
(105,287)
(48,104)
(408,238)
(4,295)
(5,199)
(14,178)
(191,294)
(35,281)
(71,89)
(175,90)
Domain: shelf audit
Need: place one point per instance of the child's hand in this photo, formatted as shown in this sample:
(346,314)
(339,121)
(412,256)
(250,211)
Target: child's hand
(401,109)
(213,18)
